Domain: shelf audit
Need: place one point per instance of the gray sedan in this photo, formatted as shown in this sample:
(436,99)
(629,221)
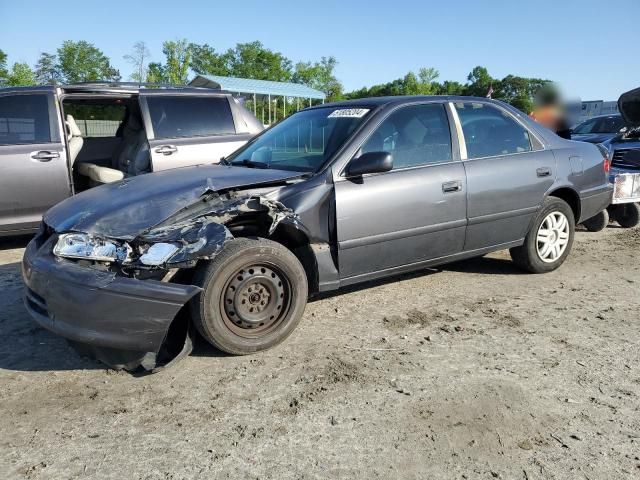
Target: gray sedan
(332,196)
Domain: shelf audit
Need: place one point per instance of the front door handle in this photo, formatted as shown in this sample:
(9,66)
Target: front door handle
(543,172)
(166,149)
(44,155)
(454,186)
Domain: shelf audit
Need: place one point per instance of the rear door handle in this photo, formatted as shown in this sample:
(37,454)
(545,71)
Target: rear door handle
(166,149)
(44,155)
(543,172)
(454,186)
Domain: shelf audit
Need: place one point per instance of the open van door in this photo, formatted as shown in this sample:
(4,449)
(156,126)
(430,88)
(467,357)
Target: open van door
(34,173)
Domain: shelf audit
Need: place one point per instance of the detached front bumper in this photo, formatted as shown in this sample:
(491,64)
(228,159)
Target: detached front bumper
(120,320)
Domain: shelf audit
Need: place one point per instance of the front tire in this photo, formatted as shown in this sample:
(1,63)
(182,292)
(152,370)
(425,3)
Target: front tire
(549,240)
(628,215)
(254,295)
(598,222)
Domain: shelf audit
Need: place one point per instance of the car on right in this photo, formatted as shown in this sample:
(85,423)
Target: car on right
(624,152)
(598,129)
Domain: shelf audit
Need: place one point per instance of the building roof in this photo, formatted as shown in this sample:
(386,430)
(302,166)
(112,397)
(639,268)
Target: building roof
(260,87)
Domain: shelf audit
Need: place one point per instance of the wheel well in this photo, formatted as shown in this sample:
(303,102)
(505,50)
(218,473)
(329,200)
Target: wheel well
(571,197)
(257,225)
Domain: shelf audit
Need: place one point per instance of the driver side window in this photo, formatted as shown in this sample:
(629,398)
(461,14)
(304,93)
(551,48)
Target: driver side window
(415,135)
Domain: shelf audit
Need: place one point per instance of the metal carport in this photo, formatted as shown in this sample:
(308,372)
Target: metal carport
(262,90)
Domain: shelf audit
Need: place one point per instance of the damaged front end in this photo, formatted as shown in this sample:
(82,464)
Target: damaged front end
(125,279)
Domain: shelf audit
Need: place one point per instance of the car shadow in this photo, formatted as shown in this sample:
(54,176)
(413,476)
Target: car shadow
(9,243)
(24,345)
(485,265)
(480,265)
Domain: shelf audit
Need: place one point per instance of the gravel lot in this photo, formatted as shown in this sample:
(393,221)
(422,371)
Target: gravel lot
(472,371)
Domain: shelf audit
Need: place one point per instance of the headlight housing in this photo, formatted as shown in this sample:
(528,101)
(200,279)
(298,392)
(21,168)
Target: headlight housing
(158,254)
(87,247)
(81,246)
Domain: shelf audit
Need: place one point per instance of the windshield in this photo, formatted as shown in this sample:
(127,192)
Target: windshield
(600,125)
(303,142)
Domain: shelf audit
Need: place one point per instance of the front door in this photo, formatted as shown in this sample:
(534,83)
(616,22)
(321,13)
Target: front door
(413,213)
(33,163)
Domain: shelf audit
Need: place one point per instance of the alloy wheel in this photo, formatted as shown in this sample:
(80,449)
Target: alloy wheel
(553,237)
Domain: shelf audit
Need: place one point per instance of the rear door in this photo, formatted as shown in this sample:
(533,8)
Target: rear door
(189,129)
(413,213)
(508,173)
(33,163)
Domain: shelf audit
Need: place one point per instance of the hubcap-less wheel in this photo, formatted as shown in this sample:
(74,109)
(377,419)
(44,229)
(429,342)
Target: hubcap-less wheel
(553,237)
(255,300)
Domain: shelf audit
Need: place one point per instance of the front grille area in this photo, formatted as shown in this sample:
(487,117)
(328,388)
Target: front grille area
(619,160)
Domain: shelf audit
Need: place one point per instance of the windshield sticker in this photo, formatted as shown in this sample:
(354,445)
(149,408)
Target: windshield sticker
(349,113)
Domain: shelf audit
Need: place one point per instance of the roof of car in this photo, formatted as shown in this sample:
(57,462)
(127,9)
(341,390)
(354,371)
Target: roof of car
(116,87)
(399,99)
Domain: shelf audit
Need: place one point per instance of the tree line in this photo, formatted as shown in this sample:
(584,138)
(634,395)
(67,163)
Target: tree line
(81,61)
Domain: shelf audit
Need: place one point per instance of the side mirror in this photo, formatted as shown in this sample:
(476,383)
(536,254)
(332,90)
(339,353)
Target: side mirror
(370,162)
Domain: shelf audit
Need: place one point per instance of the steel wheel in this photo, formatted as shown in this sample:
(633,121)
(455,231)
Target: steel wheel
(552,237)
(255,300)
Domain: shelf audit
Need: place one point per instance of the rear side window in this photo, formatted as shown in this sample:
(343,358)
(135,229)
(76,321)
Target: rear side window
(175,117)
(415,135)
(489,131)
(97,120)
(24,119)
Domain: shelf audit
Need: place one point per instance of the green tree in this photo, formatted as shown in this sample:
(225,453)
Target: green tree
(426,80)
(520,91)
(155,73)
(21,75)
(3,64)
(449,87)
(139,58)
(411,84)
(320,75)
(83,62)
(46,70)
(253,60)
(206,61)
(178,59)
(479,82)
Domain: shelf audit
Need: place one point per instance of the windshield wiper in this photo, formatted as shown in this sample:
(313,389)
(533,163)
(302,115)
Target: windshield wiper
(251,164)
(225,162)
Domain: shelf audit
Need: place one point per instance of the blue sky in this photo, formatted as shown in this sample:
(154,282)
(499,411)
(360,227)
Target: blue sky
(587,46)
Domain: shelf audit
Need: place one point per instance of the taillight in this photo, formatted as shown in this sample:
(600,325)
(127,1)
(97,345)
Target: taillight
(605,155)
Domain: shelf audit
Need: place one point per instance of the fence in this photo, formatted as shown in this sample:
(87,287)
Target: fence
(98,128)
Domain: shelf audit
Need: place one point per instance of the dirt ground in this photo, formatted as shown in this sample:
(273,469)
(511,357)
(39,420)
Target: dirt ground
(475,370)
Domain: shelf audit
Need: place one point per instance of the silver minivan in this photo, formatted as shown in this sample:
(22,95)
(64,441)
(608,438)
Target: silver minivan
(56,141)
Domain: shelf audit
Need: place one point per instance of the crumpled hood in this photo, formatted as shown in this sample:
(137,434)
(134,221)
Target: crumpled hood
(125,209)
(629,106)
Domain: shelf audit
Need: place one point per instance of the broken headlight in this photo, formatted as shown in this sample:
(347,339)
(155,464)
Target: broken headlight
(87,247)
(158,253)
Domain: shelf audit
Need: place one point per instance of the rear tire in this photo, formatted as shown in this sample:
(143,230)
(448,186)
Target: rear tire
(549,240)
(598,222)
(254,295)
(628,215)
